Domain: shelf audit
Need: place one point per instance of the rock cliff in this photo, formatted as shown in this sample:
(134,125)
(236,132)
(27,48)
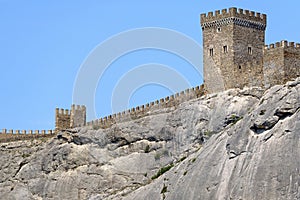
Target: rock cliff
(238,144)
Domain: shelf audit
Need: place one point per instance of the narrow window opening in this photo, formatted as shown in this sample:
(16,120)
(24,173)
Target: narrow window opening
(211,52)
(219,29)
(225,49)
(240,67)
(249,50)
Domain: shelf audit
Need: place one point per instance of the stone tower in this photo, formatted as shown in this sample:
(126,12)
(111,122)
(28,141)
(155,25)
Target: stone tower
(233,44)
(65,119)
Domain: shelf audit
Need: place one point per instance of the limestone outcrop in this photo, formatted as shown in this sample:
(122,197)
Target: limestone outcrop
(238,144)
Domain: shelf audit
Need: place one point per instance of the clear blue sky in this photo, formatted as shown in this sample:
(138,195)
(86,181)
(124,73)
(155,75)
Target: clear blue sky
(44,43)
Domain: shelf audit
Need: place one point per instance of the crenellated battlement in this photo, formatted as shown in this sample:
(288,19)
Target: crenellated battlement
(234,56)
(77,116)
(62,119)
(283,44)
(281,62)
(65,119)
(64,112)
(15,135)
(146,109)
(234,16)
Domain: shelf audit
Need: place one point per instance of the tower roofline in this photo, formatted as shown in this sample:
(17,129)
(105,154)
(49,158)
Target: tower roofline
(236,16)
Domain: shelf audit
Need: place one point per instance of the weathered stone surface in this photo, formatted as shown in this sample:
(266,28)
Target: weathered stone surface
(238,144)
(233,50)
(235,54)
(281,63)
(238,163)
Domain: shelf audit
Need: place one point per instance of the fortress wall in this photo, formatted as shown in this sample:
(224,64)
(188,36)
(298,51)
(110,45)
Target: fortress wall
(146,109)
(14,135)
(273,64)
(281,62)
(233,57)
(292,61)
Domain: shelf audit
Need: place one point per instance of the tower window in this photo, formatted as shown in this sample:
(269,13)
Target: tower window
(211,52)
(225,49)
(219,29)
(240,67)
(250,50)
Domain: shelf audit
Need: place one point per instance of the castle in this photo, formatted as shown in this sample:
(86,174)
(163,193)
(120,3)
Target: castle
(234,55)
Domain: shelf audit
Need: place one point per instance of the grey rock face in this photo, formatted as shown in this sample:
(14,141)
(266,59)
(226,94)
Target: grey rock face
(242,162)
(239,144)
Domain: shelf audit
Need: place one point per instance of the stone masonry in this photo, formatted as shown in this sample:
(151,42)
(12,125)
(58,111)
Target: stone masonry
(13,135)
(281,63)
(65,119)
(77,116)
(235,55)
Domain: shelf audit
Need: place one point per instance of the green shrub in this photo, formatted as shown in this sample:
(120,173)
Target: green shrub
(147,149)
(162,171)
(234,119)
(208,133)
